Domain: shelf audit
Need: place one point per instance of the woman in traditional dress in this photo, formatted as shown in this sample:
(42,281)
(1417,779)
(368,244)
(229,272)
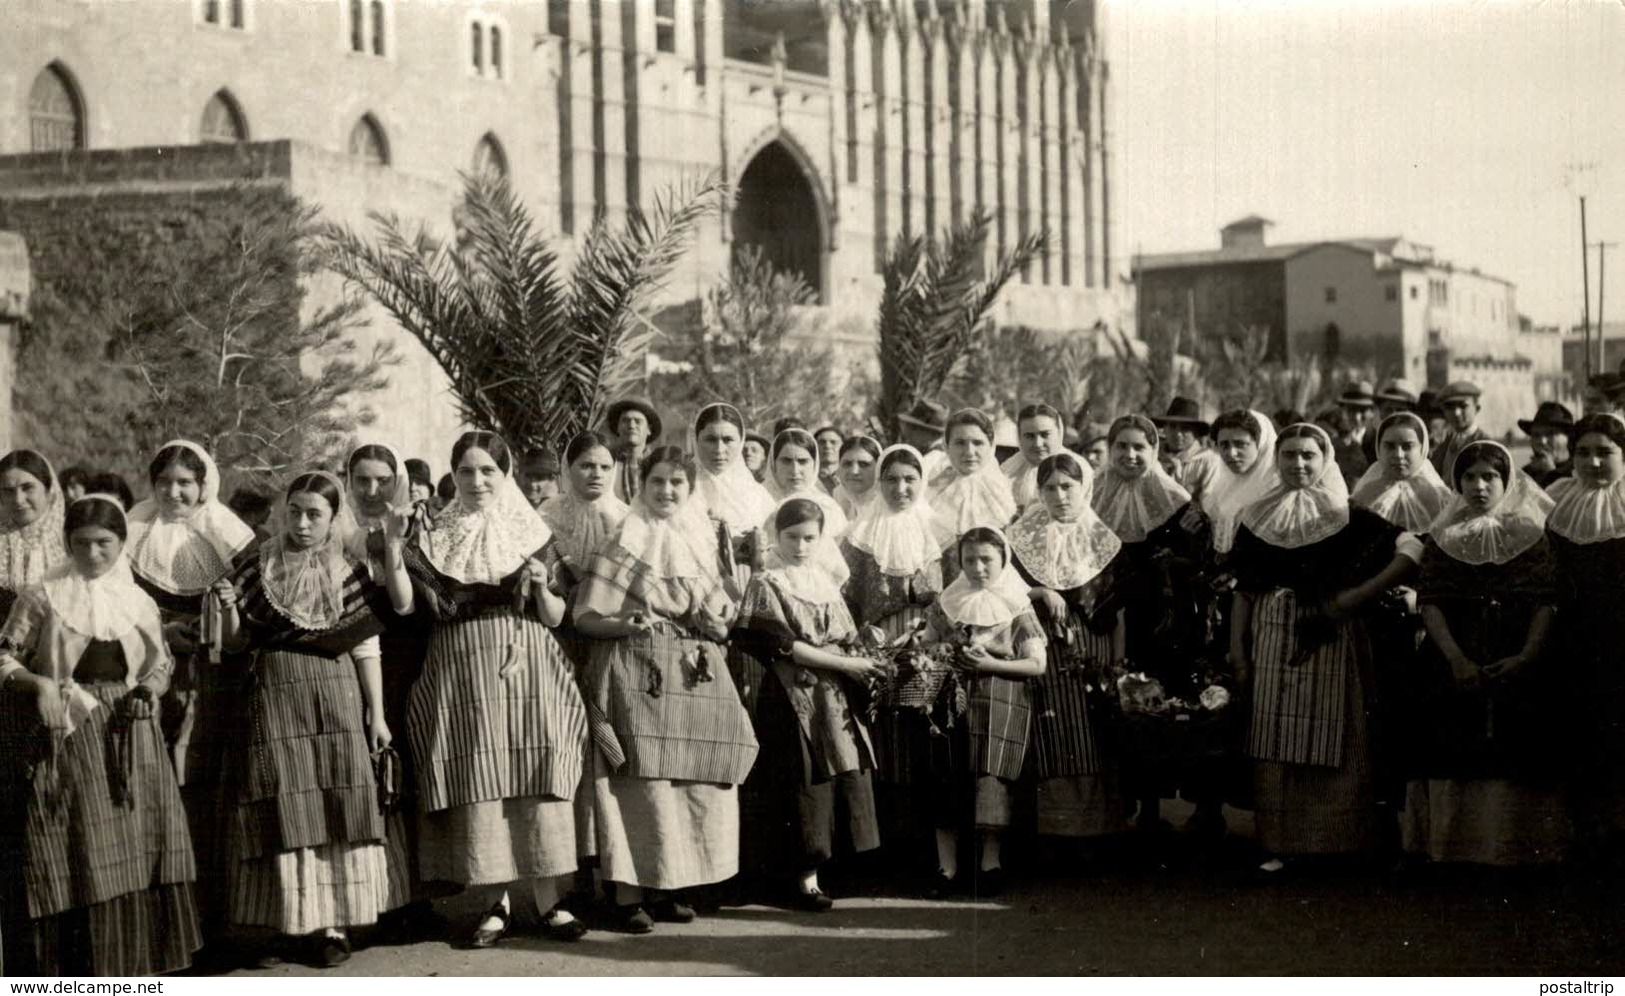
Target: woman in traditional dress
(107,861)
(379,488)
(31,544)
(497,723)
(795,473)
(183,539)
(1403,487)
(1157,574)
(1039,432)
(1586,529)
(859,455)
(985,616)
(1245,442)
(672,740)
(584,517)
(810,787)
(31,510)
(1065,553)
(1487,788)
(1306,567)
(307,855)
(895,565)
(727,492)
(971,491)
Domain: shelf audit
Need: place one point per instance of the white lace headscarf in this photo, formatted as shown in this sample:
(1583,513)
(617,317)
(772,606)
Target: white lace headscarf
(581,524)
(961,501)
(306,585)
(483,545)
(1501,532)
(902,543)
(1289,516)
(29,552)
(1411,502)
(1586,514)
(1230,493)
(1064,553)
(1002,600)
(733,495)
(1135,506)
(184,555)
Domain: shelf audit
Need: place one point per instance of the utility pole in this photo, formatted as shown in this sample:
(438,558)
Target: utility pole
(1602,279)
(1585,286)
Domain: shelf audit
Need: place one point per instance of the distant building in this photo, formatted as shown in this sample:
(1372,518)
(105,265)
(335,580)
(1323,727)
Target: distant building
(841,124)
(1387,304)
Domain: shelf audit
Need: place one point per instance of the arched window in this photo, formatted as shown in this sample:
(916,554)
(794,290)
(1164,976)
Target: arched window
(358,27)
(489,157)
(367,141)
(496,51)
(478,41)
(56,115)
(377,27)
(223,121)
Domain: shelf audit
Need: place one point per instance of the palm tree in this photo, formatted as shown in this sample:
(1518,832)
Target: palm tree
(530,354)
(934,304)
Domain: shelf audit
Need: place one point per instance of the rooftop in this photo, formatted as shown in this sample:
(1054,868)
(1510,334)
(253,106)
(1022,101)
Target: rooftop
(1254,253)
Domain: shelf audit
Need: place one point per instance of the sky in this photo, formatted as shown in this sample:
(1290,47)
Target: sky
(1468,127)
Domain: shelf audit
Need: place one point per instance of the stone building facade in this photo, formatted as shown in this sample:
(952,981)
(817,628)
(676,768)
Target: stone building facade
(841,124)
(1388,306)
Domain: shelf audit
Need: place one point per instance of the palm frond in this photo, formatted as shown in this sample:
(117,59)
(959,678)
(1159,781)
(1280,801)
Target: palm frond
(528,353)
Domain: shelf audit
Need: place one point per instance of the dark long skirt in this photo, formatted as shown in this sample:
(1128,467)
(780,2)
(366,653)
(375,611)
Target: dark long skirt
(791,821)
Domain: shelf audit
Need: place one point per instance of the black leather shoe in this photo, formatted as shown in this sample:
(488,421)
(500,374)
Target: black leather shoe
(487,938)
(814,902)
(563,930)
(940,886)
(671,910)
(990,883)
(331,952)
(634,919)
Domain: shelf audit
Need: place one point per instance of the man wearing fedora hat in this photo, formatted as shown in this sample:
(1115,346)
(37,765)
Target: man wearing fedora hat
(635,425)
(1395,395)
(1186,429)
(922,426)
(1548,434)
(1460,403)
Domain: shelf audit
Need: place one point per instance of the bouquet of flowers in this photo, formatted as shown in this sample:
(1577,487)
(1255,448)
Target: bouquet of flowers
(1170,730)
(929,679)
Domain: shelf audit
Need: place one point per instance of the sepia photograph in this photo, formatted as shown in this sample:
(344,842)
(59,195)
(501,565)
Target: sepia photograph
(643,489)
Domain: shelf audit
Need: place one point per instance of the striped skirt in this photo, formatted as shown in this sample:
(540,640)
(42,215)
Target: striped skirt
(496,715)
(498,728)
(108,884)
(308,850)
(1079,792)
(1314,789)
(1300,685)
(1064,741)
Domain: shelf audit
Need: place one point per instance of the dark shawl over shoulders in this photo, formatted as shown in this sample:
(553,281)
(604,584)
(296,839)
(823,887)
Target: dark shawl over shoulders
(1512,730)
(366,611)
(1351,556)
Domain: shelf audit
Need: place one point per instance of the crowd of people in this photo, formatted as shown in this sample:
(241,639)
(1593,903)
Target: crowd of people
(601,679)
